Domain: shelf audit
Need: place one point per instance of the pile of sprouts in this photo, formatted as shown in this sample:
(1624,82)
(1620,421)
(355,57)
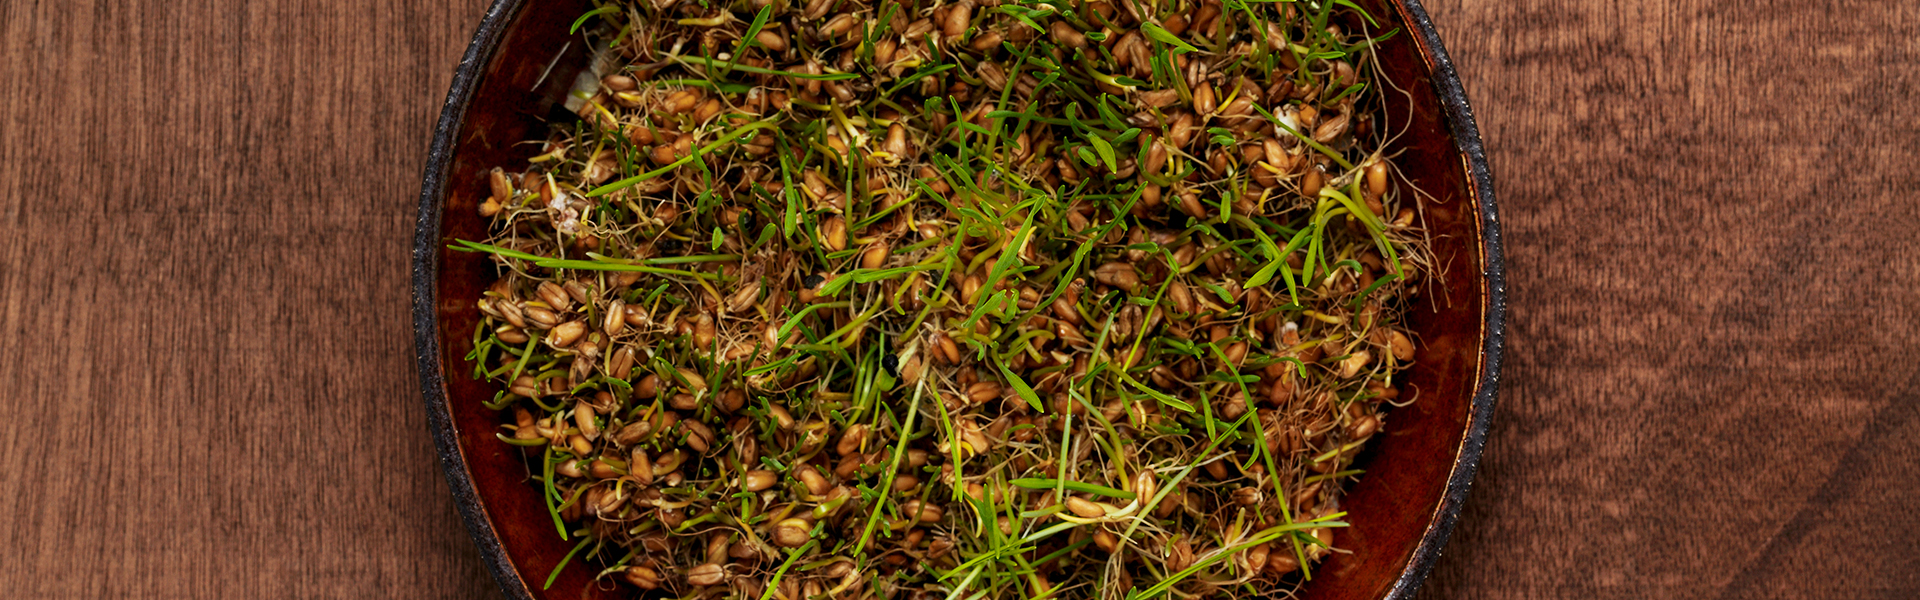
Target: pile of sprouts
(975,299)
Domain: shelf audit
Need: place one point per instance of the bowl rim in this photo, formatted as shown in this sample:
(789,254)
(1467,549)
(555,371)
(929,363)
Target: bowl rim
(1466,138)
(426,296)
(426,269)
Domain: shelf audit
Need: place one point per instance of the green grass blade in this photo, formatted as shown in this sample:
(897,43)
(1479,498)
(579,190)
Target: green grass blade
(1020,387)
(1265,274)
(729,138)
(563,562)
(590,14)
(710,63)
(759,21)
(1167,37)
(1048,483)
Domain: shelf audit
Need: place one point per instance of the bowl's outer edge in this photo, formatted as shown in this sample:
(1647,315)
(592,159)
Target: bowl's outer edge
(426,340)
(1466,136)
(433,388)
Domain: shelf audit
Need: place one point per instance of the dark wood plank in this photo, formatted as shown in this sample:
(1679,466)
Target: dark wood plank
(205,223)
(1711,243)
(1711,228)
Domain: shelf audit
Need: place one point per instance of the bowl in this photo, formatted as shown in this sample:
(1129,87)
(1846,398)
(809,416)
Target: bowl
(519,67)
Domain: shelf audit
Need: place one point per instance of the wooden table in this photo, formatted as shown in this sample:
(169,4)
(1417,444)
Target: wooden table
(1710,209)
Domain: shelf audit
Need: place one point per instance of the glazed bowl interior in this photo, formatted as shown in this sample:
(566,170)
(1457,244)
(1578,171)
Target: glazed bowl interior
(509,88)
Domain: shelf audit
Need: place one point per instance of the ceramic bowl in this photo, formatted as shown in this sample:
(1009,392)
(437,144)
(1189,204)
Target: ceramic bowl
(519,67)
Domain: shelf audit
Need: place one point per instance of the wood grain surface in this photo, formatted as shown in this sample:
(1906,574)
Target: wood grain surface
(1709,205)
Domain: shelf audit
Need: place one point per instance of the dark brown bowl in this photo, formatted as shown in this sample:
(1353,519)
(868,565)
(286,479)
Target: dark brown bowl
(1401,511)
